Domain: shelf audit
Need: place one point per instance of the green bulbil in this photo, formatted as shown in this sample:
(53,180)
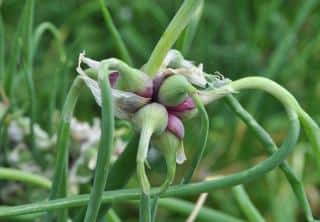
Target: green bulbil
(131,79)
(174,90)
(153,116)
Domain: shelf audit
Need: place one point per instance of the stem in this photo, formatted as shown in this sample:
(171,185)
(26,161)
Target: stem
(2,52)
(271,147)
(204,135)
(205,214)
(190,31)
(145,136)
(170,36)
(29,77)
(60,176)
(15,54)
(289,102)
(105,148)
(22,176)
(246,205)
(121,171)
(123,51)
(180,190)
(53,30)
(112,216)
(39,32)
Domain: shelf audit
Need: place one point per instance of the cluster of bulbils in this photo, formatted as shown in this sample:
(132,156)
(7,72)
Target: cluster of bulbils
(156,106)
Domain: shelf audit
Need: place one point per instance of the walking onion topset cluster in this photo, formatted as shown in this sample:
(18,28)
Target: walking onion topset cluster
(157,99)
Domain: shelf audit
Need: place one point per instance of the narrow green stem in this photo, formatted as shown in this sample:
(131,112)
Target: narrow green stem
(289,102)
(271,147)
(180,190)
(28,63)
(145,207)
(60,176)
(22,176)
(51,28)
(2,50)
(246,205)
(191,189)
(15,54)
(105,148)
(191,30)
(38,35)
(205,214)
(112,216)
(123,51)
(170,36)
(121,171)
(204,136)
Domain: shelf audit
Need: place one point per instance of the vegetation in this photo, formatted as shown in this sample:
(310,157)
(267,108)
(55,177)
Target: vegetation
(140,110)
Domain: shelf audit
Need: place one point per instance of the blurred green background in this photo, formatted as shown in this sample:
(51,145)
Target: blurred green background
(275,38)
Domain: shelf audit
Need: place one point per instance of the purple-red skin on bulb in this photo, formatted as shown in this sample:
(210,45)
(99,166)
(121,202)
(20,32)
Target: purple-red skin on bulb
(147,92)
(175,126)
(186,105)
(113,77)
(157,81)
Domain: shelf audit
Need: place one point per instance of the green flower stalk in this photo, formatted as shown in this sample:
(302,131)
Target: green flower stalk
(130,79)
(151,119)
(171,34)
(105,148)
(289,102)
(310,126)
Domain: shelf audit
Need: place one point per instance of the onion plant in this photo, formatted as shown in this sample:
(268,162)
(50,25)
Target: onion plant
(156,99)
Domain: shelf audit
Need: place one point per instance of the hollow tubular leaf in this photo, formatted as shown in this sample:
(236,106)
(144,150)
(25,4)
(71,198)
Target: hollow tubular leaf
(121,171)
(2,50)
(246,204)
(289,102)
(204,136)
(24,177)
(123,51)
(59,185)
(52,29)
(180,190)
(105,148)
(271,147)
(170,36)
